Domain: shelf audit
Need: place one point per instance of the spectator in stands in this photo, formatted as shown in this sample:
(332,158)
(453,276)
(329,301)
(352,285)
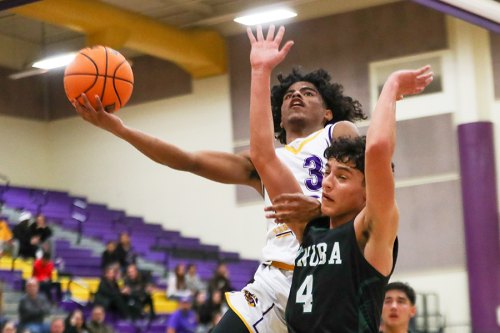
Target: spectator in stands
(109,255)
(33,308)
(220,280)
(96,323)
(203,312)
(183,320)
(9,327)
(21,236)
(399,308)
(176,284)
(217,304)
(40,235)
(124,251)
(108,293)
(5,237)
(42,272)
(57,325)
(75,323)
(193,280)
(138,288)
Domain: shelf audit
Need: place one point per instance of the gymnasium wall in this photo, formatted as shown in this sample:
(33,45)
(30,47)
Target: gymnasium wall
(24,151)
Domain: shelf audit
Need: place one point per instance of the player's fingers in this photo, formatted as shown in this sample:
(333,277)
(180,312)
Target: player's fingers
(251,37)
(425,76)
(285,198)
(280,34)
(270,33)
(86,103)
(100,107)
(271,216)
(260,36)
(284,51)
(423,69)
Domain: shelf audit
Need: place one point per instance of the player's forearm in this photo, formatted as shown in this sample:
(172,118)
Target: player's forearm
(261,122)
(220,167)
(381,135)
(156,149)
(297,229)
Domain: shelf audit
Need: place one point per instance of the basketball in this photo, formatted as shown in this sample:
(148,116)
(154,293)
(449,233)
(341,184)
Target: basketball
(101,71)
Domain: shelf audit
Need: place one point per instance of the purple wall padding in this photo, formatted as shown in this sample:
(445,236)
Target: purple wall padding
(479,197)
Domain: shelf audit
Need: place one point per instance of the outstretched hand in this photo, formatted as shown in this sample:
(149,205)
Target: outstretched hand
(98,117)
(266,53)
(411,82)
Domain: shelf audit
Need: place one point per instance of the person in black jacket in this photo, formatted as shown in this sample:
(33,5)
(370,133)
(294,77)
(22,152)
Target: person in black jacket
(138,288)
(109,295)
(109,255)
(22,235)
(39,234)
(125,252)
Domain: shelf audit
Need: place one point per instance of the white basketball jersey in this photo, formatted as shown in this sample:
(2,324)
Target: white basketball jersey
(304,157)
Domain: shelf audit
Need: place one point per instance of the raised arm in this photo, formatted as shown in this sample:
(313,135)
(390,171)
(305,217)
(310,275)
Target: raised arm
(265,55)
(380,219)
(217,166)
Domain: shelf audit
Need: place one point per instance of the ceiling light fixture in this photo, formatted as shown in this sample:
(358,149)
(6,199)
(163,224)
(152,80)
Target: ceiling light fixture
(265,17)
(55,61)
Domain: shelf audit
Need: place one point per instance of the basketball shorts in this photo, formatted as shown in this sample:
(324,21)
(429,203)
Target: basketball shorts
(261,304)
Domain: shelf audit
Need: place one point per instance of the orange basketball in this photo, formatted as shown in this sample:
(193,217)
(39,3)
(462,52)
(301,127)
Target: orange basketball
(100,71)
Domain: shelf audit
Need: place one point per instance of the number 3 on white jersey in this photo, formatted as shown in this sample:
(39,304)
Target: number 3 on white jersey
(304,294)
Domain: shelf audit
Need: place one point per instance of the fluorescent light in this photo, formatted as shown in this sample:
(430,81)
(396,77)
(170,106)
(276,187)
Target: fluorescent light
(55,61)
(265,17)
(27,73)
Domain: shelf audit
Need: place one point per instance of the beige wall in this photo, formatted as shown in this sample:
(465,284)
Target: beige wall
(24,151)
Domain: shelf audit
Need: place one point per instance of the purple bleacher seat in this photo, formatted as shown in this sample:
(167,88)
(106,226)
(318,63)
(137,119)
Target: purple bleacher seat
(187,242)
(125,327)
(83,271)
(228,256)
(62,244)
(85,261)
(160,257)
(166,247)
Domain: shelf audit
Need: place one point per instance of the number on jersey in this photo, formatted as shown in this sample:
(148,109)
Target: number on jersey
(304,294)
(314,164)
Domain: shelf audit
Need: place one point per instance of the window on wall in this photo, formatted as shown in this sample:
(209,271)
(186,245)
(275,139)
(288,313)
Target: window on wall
(437,97)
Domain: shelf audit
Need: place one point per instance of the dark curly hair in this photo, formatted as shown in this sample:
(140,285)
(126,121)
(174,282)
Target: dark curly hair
(343,107)
(348,150)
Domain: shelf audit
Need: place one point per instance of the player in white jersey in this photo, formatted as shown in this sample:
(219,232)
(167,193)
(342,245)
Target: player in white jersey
(311,103)
(261,304)
(304,158)
(291,124)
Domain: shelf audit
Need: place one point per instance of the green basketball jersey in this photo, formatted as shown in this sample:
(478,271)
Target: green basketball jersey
(334,289)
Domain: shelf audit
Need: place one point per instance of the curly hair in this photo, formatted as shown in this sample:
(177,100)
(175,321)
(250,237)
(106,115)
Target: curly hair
(348,150)
(343,107)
